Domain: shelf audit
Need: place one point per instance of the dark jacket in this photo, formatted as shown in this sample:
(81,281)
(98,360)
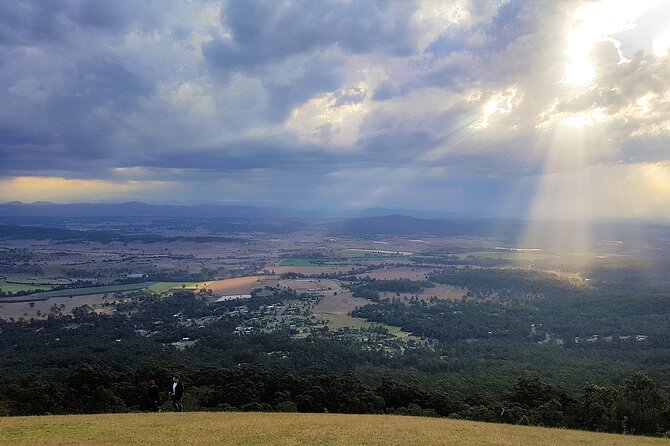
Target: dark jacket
(154,393)
(178,391)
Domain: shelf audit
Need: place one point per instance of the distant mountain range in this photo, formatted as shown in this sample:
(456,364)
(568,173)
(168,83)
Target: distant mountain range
(138,209)
(231,219)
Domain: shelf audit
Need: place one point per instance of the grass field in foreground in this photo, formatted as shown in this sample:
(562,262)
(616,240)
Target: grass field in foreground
(247,429)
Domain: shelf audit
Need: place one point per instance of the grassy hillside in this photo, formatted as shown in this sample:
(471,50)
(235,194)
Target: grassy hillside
(246,429)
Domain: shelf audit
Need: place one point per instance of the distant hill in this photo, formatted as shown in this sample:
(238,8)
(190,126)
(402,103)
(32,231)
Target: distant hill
(137,209)
(32,232)
(406,225)
(284,429)
(365,222)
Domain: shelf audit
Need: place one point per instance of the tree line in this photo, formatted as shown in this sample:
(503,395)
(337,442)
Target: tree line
(638,406)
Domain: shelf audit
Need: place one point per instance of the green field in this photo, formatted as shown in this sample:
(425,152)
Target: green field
(300,262)
(368,254)
(336,321)
(157,287)
(519,256)
(283,429)
(16,287)
(350,258)
(92,290)
(162,287)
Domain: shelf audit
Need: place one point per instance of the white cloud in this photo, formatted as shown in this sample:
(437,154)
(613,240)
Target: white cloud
(332,119)
(497,105)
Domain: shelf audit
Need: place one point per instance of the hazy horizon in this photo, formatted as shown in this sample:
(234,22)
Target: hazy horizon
(267,210)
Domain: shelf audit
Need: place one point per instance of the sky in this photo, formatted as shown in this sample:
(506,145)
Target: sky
(533,109)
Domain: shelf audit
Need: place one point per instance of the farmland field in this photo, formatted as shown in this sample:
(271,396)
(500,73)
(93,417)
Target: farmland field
(337,321)
(43,307)
(343,303)
(91,290)
(162,287)
(304,285)
(368,254)
(398,273)
(446,292)
(335,309)
(521,256)
(300,262)
(18,287)
(40,304)
(238,285)
(315,269)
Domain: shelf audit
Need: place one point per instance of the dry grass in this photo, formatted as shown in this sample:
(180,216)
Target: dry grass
(343,303)
(24,310)
(337,321)
(253,429)
(444,292)
(335,309)
(305,285)
(238,285)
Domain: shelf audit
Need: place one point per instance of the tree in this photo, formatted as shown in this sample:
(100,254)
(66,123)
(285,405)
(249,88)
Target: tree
(595,409)
(641,406)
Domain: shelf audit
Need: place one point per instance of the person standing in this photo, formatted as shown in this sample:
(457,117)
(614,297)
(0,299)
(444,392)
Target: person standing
(177,394)
(154,396)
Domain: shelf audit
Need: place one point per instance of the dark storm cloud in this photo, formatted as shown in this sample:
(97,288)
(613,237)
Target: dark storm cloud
(33,22)
(268,31)
(243,156)
(102,104)
(96,81)
(396,148)
(320,75)
(352,102)
(465,56)
(63,130)
(25,22)
(383,151)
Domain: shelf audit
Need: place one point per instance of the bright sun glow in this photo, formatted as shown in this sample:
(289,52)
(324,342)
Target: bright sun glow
(579,73)
(499,104)
(661,44)
(598,22)
(577,121)
(577,182)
